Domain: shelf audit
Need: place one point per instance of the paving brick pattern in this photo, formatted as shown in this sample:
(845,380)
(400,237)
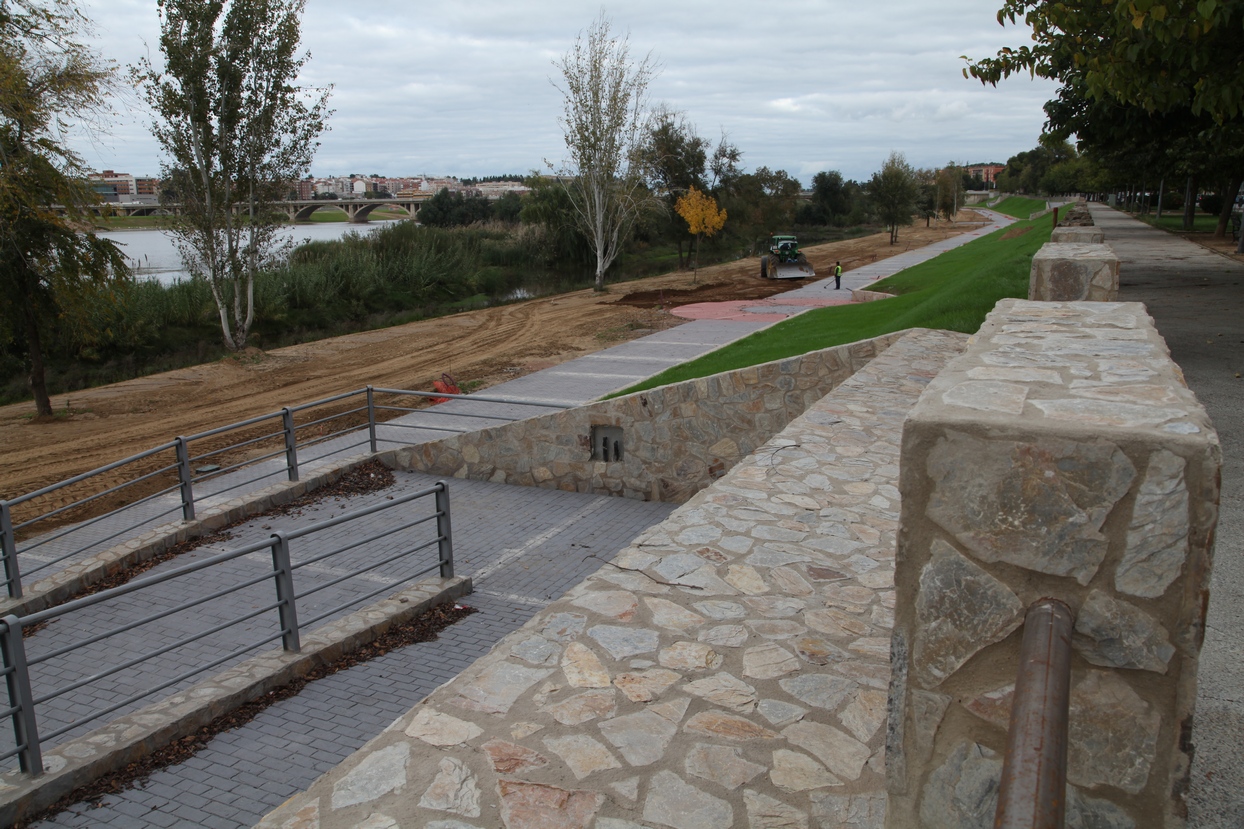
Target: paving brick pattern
(543,541)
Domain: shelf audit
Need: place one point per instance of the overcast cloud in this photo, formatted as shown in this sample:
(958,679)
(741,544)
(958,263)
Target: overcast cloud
(462,88)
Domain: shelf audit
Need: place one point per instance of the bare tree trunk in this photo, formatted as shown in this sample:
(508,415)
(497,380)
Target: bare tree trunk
(1228,202)
(1161,188)
(38,383)
(1189,202)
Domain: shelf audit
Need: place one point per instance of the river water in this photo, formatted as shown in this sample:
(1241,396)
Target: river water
(153,255)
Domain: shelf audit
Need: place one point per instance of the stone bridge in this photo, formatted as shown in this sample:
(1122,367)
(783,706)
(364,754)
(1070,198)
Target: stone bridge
(299,210)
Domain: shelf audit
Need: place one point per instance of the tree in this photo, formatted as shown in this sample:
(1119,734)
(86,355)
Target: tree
(674,159)
(236,130)
(51,265)
(703,218)
(949,192)
(602,123)
(893,190)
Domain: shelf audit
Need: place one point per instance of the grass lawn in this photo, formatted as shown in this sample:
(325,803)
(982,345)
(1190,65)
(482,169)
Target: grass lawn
(1174,222)
(1019,207)
(953,291)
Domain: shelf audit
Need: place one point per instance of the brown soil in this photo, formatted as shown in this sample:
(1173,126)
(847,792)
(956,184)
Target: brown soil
(479,348)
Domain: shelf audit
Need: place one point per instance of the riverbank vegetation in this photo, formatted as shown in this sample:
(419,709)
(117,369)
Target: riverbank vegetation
(954,292)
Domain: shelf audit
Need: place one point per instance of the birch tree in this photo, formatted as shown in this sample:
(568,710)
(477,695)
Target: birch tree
(237,130)
(603,123)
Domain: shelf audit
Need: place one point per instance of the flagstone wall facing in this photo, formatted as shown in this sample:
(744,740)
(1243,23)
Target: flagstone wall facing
(676,439)
(1061,455)
(1070,271)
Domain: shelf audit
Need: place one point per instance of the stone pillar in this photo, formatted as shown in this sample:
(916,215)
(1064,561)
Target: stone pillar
(1061,455)
(1070,271)
(1080,235)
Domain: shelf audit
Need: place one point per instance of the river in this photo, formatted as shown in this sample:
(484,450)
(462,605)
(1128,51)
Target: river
(153,255)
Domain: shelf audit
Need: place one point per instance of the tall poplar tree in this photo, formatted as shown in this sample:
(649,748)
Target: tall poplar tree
(604,115)
(237,131)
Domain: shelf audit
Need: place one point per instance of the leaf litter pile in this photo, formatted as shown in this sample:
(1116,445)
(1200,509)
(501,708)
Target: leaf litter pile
(422,628)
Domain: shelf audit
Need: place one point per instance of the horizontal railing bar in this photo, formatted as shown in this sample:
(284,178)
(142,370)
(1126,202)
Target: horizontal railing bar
(318,439)
(13,752)
(361,513)
(304,406)
(98,541)
(233,446)
(21,499)
(335,451)
(421,426)
(241,424)
(83,501)
(45,539)
(163,614)
(337,416)
(216,493)
(367,596)
(433,410)
(478,397)
(334,582)
(175,680)
(140,584)
(338,551)
(116,669)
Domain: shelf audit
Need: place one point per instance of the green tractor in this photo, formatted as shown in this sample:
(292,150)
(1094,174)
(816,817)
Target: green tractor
(784,261)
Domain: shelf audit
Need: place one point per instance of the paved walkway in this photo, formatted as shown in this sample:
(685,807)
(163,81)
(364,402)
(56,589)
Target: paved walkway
(524,546)
(1196,297)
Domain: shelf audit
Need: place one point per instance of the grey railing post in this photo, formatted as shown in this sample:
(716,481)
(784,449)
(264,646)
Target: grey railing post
(25,730)
(371,417)
(291,443)
(186,477)
(284,575)
(444,530)
(8,551)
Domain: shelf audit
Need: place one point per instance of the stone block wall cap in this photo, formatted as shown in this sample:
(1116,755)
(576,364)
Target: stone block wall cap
(1075,250)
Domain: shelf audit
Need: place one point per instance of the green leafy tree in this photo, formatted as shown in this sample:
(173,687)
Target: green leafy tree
(603,116)
(948,192)
(893,191)
(675,159)
(236,129)
(52,267)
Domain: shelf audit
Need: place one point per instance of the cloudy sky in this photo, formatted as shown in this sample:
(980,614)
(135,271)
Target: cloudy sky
(463,87)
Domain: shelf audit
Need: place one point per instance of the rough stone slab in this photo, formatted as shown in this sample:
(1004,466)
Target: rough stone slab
(1074,271)
(1078,235)
(1061,455)
(769,593)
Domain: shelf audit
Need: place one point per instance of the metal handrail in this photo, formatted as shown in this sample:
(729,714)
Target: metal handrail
(15,666)
(294,436)
(1033,793)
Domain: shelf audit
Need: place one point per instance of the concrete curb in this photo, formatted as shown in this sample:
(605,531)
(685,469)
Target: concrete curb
(58,587)
(862,295)
(134,736)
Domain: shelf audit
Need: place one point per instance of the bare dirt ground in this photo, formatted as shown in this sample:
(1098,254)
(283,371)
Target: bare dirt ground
(479,348)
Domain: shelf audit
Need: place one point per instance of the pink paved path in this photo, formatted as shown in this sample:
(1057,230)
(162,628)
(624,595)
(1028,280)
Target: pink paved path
(754,310)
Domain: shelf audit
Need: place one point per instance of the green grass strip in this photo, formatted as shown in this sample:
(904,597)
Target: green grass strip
(1019,207)
(953,291)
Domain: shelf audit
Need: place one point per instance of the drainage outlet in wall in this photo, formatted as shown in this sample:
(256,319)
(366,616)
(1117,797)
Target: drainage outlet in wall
(606,443)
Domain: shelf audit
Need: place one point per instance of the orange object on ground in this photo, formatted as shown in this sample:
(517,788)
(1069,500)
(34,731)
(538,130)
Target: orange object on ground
(445,385)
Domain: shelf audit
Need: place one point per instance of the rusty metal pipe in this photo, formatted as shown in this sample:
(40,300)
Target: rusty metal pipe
(1034,774)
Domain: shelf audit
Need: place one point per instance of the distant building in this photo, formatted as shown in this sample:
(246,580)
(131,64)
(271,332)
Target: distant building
(124,187)
(986,172)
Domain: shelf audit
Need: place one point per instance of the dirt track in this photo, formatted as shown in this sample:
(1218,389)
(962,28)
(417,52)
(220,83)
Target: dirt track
(479,348)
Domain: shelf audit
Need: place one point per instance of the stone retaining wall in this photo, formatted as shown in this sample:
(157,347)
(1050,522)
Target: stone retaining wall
(1078,235)
(1073,271)
(673,441)
(728,669)
(1062,455)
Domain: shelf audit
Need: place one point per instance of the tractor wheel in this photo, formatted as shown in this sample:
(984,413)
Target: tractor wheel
(764,267)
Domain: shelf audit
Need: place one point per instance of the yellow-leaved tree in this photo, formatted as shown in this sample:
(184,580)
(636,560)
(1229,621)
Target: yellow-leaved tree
(699,211)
